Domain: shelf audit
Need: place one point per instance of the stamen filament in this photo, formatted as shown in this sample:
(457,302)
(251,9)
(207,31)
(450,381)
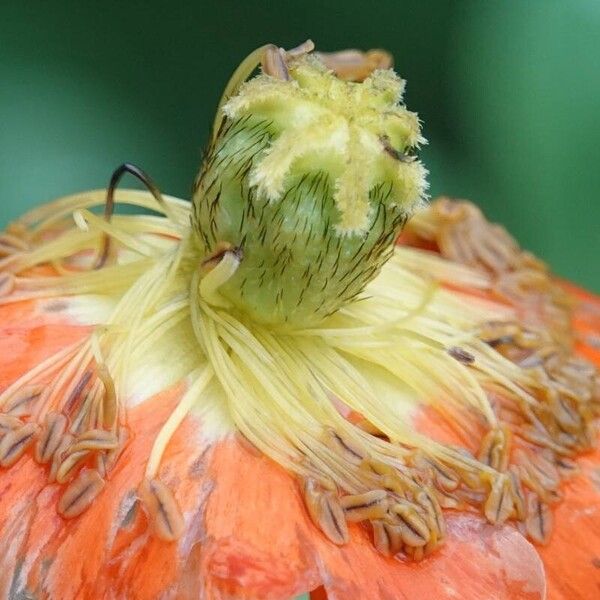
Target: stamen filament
(201,379)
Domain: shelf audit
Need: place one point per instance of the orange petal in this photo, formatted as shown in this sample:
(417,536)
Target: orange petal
(259,538)
(28,336)
(478,561)
(572,558)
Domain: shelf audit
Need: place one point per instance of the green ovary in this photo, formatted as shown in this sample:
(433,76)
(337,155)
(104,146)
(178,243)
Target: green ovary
(312,181)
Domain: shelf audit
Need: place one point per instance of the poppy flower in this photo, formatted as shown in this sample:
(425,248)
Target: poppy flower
(306,380)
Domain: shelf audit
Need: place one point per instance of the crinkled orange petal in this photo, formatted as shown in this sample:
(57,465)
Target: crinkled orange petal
(29,333)
(259,541)
(572,558)
(478,561)
(261,545)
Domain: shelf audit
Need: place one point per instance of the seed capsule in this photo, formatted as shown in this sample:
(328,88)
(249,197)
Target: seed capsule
(312,178)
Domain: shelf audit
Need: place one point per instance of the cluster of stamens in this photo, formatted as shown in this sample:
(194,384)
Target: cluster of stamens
(66,412)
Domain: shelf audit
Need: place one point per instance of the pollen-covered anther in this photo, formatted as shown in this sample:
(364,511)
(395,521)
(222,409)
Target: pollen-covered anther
(9,423)
(354,65)
(495,448)
(415,531)
(499,505)
(444,476)
(326,512)
(52,431)
(20,403)
(387,538)
(15,442)
(80,493)
(346,448)
(163,509)
(365,507)
(539,520)
(68,464)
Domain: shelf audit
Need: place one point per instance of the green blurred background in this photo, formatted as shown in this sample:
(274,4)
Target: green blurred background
(509,93)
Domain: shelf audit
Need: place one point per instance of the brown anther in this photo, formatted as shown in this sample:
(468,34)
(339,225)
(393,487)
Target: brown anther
(499,504)
(8,423)
(94,440)
(53,429)
(461,355)
(304,48)
(415,553)
(20,403)
(332,521)
(447,500)
(67,465)
(381,539)
(393,484)
(77,391)
(495,448)
(274,63)
(415,531)
(426,499)
(59,454)
(80,493)
(444,477)
(365,507)
(348,450)
(163,509)
(354,65)
(15,442)
(495,333)
(518,495)
(538,474)
(7,283)
(326,512)
(538,523)
(566,467)
(387,537)
(566,415)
